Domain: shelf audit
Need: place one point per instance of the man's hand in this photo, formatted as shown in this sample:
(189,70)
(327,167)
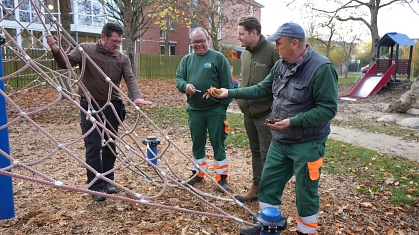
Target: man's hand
(223,93)
(52,43)
(279,125)
(141,101)
(190,89)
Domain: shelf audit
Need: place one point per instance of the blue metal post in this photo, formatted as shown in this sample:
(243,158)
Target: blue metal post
(152,143)
(7,208)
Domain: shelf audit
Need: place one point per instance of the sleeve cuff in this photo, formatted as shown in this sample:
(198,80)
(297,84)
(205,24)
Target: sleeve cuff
(294,121)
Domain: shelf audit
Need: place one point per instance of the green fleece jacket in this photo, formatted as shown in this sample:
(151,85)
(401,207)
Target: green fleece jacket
(325,93)
(256,64)
(204,71)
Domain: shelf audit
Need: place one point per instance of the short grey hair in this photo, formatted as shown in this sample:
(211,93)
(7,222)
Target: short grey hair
(199,29)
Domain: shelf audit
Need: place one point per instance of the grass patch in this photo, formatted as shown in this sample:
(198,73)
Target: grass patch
(349,79)
(177,117)
(168,116)
(238,136)
(376,174)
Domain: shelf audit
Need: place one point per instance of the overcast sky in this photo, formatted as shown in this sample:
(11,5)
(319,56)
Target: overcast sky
(400,19)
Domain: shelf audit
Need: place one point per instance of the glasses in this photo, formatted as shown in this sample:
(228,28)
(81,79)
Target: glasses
(201,42)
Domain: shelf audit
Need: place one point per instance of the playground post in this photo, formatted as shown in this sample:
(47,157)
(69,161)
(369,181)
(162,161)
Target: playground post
(7,210)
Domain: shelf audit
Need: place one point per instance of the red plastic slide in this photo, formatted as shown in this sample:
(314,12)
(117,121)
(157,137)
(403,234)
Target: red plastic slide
(370,84)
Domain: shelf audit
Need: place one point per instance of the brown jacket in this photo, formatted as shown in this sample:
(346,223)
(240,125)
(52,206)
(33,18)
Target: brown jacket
(115,66)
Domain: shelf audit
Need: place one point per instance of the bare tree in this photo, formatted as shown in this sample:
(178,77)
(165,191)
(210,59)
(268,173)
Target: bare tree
(217,16)
(353,10)
(347,50)
(332,31)
(66,20)
(170,14)
(133,15)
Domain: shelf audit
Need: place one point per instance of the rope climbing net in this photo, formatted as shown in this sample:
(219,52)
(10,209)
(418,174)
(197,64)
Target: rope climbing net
(51,157)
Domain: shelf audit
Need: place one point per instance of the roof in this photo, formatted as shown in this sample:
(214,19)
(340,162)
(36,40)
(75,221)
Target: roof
(255,3)
(390,39)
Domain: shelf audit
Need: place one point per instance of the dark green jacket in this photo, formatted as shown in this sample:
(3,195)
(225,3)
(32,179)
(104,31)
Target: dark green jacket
(257,62)
(204,71)
(323,89)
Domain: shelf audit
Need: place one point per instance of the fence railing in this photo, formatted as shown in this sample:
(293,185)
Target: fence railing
(13,62)
(146,66)
(157,66)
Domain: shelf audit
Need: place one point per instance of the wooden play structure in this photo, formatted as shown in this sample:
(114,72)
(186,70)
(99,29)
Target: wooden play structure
(385,70)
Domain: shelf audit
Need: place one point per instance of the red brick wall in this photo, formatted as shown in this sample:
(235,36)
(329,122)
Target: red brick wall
(150,42)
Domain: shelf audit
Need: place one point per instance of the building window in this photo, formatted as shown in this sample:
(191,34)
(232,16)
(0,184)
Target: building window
(220,23)
(27,13)
(194,24)
(172,25)
(172,50)
(36,41)
(220,32)
(194,5)
(30,39)
(91,13)
(8,5)
(162,33)
(162,50)
(251,12)
(11,32)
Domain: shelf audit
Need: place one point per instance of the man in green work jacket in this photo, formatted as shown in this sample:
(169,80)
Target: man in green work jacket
(304,86)
(197,72)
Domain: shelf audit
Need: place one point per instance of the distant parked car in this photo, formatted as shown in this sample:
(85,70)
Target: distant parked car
(365,69)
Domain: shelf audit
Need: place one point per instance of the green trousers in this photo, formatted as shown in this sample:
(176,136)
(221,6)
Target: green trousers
(282,162)
(211,122)
(259,140)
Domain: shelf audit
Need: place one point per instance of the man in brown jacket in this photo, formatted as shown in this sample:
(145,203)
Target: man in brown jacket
(115,65)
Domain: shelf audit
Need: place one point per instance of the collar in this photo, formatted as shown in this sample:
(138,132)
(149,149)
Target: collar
(300,59)
(261,41)
(101,49)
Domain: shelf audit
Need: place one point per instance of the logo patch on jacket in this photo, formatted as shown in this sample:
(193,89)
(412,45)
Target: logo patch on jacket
(207,65)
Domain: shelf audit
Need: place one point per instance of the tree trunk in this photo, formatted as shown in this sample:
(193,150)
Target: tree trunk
(129,37)
(65,8)
(374,33)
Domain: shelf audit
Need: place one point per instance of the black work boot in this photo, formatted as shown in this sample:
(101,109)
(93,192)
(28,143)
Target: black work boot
(223,183)
(110,189)
(249,230)
(195,179)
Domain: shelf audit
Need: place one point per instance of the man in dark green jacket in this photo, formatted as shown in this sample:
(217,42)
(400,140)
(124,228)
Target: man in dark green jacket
(304,86)
(257,60)
(197,72)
